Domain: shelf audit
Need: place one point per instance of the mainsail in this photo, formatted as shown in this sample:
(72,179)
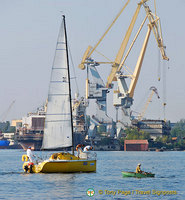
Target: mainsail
(58,122)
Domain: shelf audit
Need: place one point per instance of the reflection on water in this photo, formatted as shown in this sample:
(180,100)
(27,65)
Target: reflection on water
(10,173)
(169,169)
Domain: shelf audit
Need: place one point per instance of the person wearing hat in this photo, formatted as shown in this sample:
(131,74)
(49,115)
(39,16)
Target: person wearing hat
(138,169)
(30,154)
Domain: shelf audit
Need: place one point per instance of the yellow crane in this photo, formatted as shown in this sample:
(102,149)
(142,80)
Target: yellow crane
(90,49)
(154,25)
(123,96)
(153,91)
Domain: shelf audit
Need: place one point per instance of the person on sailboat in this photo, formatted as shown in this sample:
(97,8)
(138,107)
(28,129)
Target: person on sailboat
(138,169)
(30,154)
(87,148)
(79,149)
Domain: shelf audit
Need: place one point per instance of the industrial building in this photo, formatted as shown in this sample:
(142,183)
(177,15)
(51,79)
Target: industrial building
(156,128)
(136,145)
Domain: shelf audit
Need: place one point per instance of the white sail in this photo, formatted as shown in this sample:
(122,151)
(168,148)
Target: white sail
(58,127)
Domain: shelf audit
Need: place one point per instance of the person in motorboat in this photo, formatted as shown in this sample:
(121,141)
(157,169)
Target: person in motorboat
(87,148)
(138,169)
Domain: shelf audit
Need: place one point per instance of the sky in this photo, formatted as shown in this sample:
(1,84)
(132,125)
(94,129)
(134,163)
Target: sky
(28,37)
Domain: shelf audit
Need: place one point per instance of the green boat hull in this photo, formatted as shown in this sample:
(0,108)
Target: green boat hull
(137,175)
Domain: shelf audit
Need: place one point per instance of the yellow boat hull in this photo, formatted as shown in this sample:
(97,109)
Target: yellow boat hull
(64,163)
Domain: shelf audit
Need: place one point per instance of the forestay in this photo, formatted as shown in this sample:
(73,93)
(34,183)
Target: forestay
(58,127)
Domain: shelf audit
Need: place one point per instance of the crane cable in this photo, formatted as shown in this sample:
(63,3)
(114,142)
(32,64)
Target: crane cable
(164,90)
(159,66)
(159,60)
(163,74)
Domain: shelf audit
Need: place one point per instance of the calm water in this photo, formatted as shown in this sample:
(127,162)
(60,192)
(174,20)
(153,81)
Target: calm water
(169,168)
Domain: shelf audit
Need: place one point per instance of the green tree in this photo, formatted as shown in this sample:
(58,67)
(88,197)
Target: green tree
(6,127)
(179,129)
(12,129)
(135,134)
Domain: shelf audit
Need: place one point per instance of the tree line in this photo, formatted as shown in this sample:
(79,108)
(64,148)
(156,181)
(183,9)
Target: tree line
(176,139)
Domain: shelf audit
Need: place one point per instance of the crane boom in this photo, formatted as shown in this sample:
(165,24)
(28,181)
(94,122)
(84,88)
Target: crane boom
(121,51)
(156,28)
(139,64)
(154,25)
(154,91)
(90,49)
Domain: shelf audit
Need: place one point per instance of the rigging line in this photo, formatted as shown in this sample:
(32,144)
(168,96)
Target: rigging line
(159,66)
(72,63)
(164,90)
(128,69)
(103,55)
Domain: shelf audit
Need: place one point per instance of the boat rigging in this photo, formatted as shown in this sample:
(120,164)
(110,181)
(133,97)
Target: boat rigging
(58,130)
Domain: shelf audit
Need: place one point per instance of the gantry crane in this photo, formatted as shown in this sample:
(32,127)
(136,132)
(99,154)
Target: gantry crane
(123,96)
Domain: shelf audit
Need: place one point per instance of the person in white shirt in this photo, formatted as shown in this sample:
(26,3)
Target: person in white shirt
(30,154)
(87,148)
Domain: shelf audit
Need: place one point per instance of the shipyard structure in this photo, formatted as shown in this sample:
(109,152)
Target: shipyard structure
(123,78)
(30,129)
(101,131)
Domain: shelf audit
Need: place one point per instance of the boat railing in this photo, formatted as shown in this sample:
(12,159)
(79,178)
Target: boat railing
(88,155)
(92,155)
(39,159)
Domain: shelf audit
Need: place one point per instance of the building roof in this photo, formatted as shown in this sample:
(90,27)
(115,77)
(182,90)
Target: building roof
(136,141)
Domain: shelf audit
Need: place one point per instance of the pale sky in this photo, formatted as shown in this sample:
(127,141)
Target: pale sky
(28,37)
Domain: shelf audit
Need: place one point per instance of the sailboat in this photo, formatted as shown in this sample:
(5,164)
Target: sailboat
(58,131)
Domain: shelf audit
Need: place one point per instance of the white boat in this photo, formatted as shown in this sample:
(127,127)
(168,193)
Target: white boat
(58,131)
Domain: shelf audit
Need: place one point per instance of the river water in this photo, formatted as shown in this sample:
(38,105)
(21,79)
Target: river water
(106,183)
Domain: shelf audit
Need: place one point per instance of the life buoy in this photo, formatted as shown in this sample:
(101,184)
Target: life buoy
(24,158)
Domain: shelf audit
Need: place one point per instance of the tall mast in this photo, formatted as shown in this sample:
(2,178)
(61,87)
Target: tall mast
(70,99)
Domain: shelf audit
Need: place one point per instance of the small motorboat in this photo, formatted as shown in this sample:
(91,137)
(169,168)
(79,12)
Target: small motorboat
(137,175)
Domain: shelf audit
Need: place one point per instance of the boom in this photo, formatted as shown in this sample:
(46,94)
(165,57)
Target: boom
(121,51)
(154,91)
(90,49)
